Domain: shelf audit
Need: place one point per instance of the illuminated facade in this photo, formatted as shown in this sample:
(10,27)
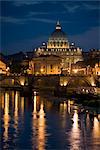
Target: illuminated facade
(3,68)
(58,45)
(43,65)
(96,69)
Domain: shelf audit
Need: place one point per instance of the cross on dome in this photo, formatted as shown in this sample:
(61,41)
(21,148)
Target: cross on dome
(58,23)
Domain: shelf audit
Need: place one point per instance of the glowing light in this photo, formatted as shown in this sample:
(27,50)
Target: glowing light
(69,106)
(75,133)
(16,112)
(2,100)
(99,116)
(65,83)
(71,102)
(41,112)
(93,84)
(16,104)
(35,104)
(75,119)
(42,70)
(65,105)
(7,69)
(96,128)
(86,91)
(41,129)
(75,70)
(61,84)
(6,116)
(34,93)
(22,105)
(22,82)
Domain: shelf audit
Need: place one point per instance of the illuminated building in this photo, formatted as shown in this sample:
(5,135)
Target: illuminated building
(58,45)
(3,68)
(96,69)
(45,65)
(94,53)
(79,68)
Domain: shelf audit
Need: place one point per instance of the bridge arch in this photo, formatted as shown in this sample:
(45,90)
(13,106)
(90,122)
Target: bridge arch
(77,81)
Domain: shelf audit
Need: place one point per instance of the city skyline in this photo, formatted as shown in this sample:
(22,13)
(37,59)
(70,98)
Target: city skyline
(26,24)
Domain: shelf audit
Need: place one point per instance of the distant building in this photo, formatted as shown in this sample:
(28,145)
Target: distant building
(96,69)
(3,68)
(58,45)
(92,57)
(45,65)
(79,68)
(94,53)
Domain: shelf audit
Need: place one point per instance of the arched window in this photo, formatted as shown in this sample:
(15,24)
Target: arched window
(65,43)
(57,43)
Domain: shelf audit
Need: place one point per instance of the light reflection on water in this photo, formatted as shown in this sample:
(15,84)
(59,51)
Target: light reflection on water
(37,123)
(75,132)
(6,116)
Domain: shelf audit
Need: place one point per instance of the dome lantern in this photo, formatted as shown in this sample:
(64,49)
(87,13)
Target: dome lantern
(58,26)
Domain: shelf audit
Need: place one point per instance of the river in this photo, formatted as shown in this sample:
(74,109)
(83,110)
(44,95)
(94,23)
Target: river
(41,123)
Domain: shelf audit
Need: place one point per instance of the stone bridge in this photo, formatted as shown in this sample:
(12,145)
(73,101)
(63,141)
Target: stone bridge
(49,80)
(76,81)
(80,84)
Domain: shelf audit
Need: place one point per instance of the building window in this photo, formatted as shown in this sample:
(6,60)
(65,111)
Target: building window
(51,66)
(65,43)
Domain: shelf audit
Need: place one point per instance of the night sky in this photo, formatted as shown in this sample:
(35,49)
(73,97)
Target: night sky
(25,24)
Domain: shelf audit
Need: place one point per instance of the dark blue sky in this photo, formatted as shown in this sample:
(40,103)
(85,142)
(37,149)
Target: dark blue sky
(25,24)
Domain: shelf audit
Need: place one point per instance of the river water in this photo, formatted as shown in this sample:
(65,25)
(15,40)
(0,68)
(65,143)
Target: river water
(39,123)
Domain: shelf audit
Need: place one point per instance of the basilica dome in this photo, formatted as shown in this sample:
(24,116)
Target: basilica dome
(58,38)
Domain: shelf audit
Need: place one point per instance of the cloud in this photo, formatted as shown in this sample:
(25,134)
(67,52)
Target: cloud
(20,21)
(89,39)
(71,8)
(91,7)
(24,20)
(11,20)
(32,13)
(24,2)
(43,20)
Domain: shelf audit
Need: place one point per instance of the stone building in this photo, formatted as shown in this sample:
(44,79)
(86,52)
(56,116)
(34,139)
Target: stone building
(45,65)
(59,45)
(3,68)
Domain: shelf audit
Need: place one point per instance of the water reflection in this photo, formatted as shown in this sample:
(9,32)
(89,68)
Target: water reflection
(96,129)
(41,129)
(16,106)
(63,108)
(35,109)
(22,105)
(30,122)
(39,126)
(16,115)
(6,117)
(63,113)
(69,109)
(2,97)
(75,132)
